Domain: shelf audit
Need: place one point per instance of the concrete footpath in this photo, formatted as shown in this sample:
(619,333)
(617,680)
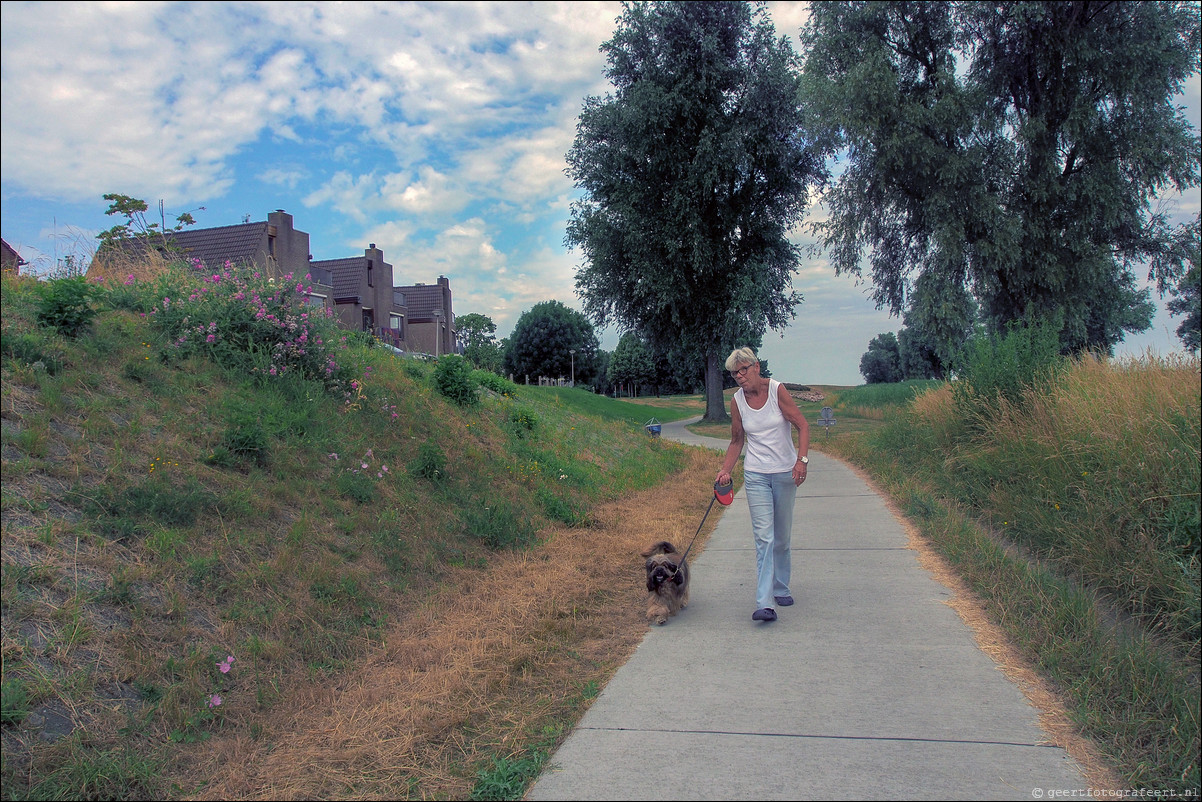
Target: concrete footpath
(869,687)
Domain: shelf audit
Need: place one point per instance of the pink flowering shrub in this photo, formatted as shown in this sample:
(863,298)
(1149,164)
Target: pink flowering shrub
(246,323)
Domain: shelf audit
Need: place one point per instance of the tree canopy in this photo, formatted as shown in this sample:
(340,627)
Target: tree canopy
(694,171)
(1013,148)
(543,342)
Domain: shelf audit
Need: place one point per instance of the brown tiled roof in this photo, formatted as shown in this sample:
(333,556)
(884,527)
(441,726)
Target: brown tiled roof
(347,275)
(214,246)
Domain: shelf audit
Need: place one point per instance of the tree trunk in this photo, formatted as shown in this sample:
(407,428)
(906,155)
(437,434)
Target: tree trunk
(715,404)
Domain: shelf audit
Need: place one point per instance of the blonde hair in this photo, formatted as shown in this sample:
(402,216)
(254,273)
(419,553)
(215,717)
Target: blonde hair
(741,356)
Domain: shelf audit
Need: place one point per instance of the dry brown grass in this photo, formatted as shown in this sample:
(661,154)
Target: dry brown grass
(477,669)
(117,268)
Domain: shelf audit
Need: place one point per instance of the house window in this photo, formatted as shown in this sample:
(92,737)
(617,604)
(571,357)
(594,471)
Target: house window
(397,324)
(369,267)
(369,320)
(271,246)
(315,300)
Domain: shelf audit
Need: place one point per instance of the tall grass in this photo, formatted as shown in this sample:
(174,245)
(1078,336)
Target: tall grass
(1071,504)
(1097,472)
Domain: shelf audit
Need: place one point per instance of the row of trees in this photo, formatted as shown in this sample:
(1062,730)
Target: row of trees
(995,163)
(550,340)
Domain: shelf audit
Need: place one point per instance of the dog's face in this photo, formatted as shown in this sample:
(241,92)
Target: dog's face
(662,568)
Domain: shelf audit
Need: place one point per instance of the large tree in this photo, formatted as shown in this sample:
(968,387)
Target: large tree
(552,340)
(694,171)
(1015,148)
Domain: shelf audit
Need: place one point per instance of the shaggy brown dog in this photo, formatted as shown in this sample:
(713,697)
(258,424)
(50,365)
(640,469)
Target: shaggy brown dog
(667,582)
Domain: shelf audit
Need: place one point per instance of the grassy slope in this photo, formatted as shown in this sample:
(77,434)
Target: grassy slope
(157,519)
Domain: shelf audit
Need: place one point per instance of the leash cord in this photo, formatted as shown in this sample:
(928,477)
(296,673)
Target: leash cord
(695,534)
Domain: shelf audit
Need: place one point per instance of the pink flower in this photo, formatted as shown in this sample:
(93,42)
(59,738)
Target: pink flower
(332,455)
(224,665)
(214,700)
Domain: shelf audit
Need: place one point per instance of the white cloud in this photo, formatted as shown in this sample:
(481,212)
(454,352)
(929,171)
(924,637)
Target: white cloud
(281,176)
(158,98)
(350,195)
(430,193)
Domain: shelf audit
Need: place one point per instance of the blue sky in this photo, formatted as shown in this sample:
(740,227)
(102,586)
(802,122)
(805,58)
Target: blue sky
(435,130)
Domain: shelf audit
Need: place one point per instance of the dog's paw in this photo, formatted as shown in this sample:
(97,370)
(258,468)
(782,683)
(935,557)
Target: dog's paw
(661,620)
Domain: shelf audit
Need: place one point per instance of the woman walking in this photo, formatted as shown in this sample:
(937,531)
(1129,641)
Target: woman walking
(763,416)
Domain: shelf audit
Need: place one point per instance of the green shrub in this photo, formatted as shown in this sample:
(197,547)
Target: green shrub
(139,370)
(521,421)
(1001,368)
(506,778)
(249,324)
(453,379)
(158,499)
(356,485)
(246,440)
(65,305)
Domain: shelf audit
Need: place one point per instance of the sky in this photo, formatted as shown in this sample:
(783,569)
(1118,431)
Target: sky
(436,130)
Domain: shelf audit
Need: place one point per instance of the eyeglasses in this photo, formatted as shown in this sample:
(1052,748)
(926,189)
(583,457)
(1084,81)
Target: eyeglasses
(741,371)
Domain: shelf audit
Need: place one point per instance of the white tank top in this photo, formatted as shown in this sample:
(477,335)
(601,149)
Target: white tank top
(768,445)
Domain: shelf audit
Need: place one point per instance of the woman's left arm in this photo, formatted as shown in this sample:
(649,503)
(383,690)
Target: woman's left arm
(788,408)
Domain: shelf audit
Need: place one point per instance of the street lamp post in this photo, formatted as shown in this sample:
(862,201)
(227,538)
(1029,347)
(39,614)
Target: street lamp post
(572,351)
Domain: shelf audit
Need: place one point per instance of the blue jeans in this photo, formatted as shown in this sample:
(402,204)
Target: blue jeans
(770,499)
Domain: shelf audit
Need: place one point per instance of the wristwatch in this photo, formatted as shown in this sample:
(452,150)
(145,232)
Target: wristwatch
(804,460)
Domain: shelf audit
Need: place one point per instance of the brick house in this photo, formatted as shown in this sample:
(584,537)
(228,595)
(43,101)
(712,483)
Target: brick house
(364,298)
(431,323)
(273,246)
